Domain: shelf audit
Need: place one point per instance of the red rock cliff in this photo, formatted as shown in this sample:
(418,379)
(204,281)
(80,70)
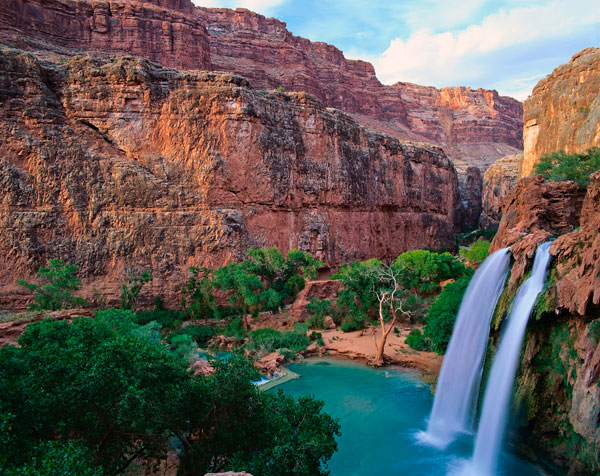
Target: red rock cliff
(476,126)
(121,162)
(563,112)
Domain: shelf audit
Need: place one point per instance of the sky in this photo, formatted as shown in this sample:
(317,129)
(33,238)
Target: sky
(507,45)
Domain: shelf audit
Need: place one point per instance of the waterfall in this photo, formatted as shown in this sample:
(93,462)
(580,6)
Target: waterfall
(500,385)
(458,384)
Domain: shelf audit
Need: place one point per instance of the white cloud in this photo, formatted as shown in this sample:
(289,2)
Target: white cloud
(260,6)
(471,55)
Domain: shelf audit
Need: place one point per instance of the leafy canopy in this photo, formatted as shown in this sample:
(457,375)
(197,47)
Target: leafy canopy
(59,280)
(92,398)
(559,166)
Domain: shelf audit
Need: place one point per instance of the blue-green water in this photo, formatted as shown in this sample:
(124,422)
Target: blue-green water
(380,411)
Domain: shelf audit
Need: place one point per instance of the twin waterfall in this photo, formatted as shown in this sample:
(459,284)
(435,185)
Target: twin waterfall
(455,401)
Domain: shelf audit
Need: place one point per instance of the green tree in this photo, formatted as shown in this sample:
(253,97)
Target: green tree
(357,297)
(59,282)
(131,288)
(477,253)
(229,424)
(442,314)
(560,166)
(74,387)
(423,270)
(83,381)
(244,286)
(198,299)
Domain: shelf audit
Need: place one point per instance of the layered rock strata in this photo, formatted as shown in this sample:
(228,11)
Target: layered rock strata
(475,126)
(110,164)
(563,111)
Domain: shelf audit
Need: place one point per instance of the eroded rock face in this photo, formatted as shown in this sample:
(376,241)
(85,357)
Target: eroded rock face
(498,180)
(563,111)
(120,163)
(474,126)
(165,31)
(470,186)
(578,259)
(534,206)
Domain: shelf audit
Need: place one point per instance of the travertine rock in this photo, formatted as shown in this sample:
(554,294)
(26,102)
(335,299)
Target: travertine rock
(475,126)
(498,179)
(563,112)
(578,258)
(121,163)
(534,205)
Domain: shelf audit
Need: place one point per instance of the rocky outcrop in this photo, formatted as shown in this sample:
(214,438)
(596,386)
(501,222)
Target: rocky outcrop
(498,180)
(110,164)
(475,126)
(563,111)
(534,206)
(577,257)
(320,290)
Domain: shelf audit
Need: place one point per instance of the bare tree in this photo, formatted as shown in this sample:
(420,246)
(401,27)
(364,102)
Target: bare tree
(389,294)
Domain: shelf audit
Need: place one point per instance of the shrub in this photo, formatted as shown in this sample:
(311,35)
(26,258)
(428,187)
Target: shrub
(442,314)
(198,299)
(199,334)
(416,340)
(167,318)
(60,280)
(294,341)
(477,253)
(559,166)
(264,340)
(131,288)
(235,329)
(319,309)
(351,326)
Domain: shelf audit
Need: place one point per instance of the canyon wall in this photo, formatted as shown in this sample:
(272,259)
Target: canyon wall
(115,163)
(498,180)
(563,111)
(475,127)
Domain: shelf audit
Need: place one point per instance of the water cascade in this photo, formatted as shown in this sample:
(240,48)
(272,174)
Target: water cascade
(499,388)
(458,384)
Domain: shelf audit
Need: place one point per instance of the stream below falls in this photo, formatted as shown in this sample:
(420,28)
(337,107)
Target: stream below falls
(380,411)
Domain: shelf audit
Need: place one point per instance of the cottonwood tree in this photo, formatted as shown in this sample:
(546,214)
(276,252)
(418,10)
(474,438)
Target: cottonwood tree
(390,296)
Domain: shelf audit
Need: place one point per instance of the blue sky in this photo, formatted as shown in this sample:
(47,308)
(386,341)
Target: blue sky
(505,45)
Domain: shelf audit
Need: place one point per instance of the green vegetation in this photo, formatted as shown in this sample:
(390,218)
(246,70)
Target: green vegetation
(477,253)
(441,316)
(423,270)
(559,166)
(131,288)
(418,273)
(100,397)
(198,299)
(594,330)
(56,292)
(416,340)
(319,309)
(264,341)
